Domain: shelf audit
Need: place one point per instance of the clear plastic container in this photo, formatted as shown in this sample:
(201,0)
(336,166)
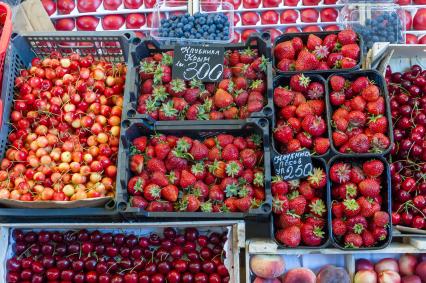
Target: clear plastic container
(211,7)
(378,22)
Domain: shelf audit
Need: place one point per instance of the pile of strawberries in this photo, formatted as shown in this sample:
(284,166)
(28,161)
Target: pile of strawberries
(300,210)
(358,218)
(359,120)
(219,174)
(301,116)
(335,51)
(241,92)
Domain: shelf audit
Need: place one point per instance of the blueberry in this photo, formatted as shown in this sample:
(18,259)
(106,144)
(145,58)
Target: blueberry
(191,18)
(186,34)
(202,21)
(198,35)
(192,36)
(173,17)
(184,21)
(205,28)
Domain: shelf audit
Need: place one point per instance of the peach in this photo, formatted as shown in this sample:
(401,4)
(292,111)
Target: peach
(332,274)
(365,276)
(298,275)
(407,264)
(263,280)
(387,264)
(421,270)
(389,276)
(267,266)
(411,279)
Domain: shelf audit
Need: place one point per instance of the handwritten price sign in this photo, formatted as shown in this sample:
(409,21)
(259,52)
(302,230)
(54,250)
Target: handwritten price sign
(295,165)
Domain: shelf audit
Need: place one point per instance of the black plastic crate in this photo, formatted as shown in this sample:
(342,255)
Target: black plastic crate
(284,80)
(321,34)
(386,193)
(375,76)
(109,46)
(317,162)
(142,49)
(132,129)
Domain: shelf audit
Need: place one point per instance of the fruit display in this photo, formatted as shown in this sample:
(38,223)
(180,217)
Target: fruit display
(301,116)
(241,92)
(415,20)
(64,130)
(300,209)
(408,156)
(317,51)
(360,203)
(114,256)
(219,173)
(359,118)
(407,268)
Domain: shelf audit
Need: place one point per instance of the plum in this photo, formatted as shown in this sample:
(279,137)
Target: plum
(411,279)
(407,264)
(386,264)
(267,266)
(263,280)
(363,264)
(299,275)
(332,274)
(389,276)
(365,276)
(421,270)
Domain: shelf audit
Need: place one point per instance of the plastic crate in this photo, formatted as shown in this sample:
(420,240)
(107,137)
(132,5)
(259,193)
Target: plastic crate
(142,49)
(132,129)
(6,21)
(381,83)
(112,46)
(304,36)
(385,193)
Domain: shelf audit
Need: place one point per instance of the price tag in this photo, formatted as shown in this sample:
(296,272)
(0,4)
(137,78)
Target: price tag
(295,165)
(198,63)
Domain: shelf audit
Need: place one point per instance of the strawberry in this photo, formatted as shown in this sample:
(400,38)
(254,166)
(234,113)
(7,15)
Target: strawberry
(306,61)
(381,218)
(368,238)
(151,192)
(348,63)
(214,154)
(369,187)
(243,204)
(339,138)
(239,83)
(234,168)
(258,85)
(306,190)
(230,152)
(378,124)
(288,111)
(317,178)
(224,139)
(218,169)
(279,186)
(283,97)
(377,107)
(358,103)
(356,224)
(156,206)
(347,37)
(321,145)
(284,50)
(138,201)
(159,179)
(299,98)
(359,143)
(353,240)
(359,84)
(230,203)
(294,145)
(337,209)
(294,123)
(304,110)
(380,234)
(222,99)
(189,203)
(286,65)
(170,193)
(315,221)
(312,235)
(317,106)
(297,204)
(248,158)
(357,118)
(371,93)
(248,55)
(198,170)
(305,139)
(356,175)
(313,42)
(176,160)
(339,227)
(340,113)
(330,41)
(341,124)
(297,43)
(337,98)
(351,207)
(140,143)
(187,179)
(379,142)
(136,163)
(317,207)
(198,150)
(177,88)
(234,58)
(161,150)
(314,125)
(299,83)
(315,90)
(348,190)
(283,134)
(321,52)
(351,51)
(216,194)
(288,219)
(280,204)
(289,236)
(135,186)
(334,60)
(373,168)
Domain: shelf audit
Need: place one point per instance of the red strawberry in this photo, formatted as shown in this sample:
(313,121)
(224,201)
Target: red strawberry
(138,201)
(380,234)
(198,150)
(314,125)
(294,145)
(222,99)
(340,172)
(357,118)
(230,152)
(348,63)
(315,221)
(288,111)
(334,60)
(136,163)
(373,168)
(280,204)
(279,186)
(381,219)
(359,143)
(321,145)
(351,207)
(288,219)
(230,203)
(304,110)
(339,227)
(371,93)
(248,158)
(289,236)
(283,134)
(357,175)
(359,84)
(317,178)
(337,209)
(348,190)
(187,179)
(297,204)
(339,138)
(216,194)
(337,98)
(199,170)
(353,240)
(159,178)
(241,98)
(135,186)
(369,187)
(177,88)
(299,83)
(378,124)
(377,107)
(315,90)
(225,139)
(284,50)
(234,58)
(368,238)
(330,41)
(313,42)
(379,142)
(312,235)
(306,61)
(283,97)
(286,65)
(318,106)
(244,204)
(356,224)
(161,150)
(297,43)
(140,143)
(306,190)
(305,139)
(152,192)
(175,160)
(189,203)
(347,37)
(351,50)
(170,193)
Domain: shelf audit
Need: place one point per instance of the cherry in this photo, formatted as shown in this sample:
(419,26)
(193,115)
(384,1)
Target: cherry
(143,242)
(144,278)
(201,278)
(194,266)
(119,239)
(208,267)
(408,184)
(418,222)
(154,239)
(176,252)
(107,238)
(164,267)
(37,267)
(173,277)
(169,233)
(95,236)
(191,234)
(180,265)
(214,278)
(78,265)
(131,241)
(131,277)
(18,235)
(157,278)
(187,278)
(91,277)
(396,218)
(407,218)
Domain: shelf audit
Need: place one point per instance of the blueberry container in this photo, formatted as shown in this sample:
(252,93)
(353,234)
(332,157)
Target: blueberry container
(386,193)
(110,46)
(375,76)
(284,80)
(304,36)
(142,49)
(317,162)
(132,129)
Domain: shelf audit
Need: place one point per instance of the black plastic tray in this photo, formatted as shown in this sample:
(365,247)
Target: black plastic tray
(386,195)
(142,49)
(317,162)
(132,129)
(381,83)
(321,34)
(26,46)
(284,80)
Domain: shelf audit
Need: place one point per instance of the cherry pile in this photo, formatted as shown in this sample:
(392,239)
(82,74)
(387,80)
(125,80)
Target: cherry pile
(301,116)
(407,92)
(95,257)
(241,92)
(65,127)
(300,210)
(223,173)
